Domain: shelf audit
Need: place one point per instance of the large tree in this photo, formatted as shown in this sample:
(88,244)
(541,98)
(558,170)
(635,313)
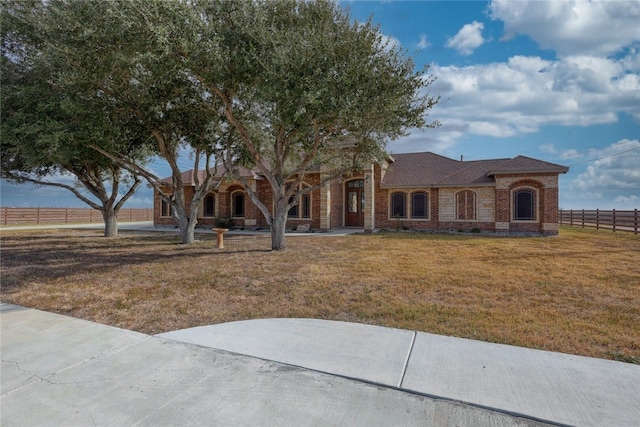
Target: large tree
(282,86)
(125,52)
(306,87)
(46,128)
(117,58)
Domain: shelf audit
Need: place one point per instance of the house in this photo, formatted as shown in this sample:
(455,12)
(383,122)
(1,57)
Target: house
(420,191)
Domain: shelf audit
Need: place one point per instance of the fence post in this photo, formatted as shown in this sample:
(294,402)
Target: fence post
(571,217)
(582,218)
(614,220)
(597,219)
(635,221)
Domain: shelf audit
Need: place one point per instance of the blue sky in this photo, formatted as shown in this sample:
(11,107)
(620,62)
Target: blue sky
(553,80)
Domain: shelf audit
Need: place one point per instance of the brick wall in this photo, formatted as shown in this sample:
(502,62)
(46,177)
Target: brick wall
(546,188)
(253,217)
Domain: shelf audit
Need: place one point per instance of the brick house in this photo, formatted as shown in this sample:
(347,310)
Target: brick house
(420,191)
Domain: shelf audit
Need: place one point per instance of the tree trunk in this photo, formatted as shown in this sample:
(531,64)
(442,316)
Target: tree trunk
(187,229)
(110,222)
(188,234)
(278,227)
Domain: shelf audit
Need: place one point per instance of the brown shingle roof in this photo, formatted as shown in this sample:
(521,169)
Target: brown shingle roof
(433,170)
(418,170)
(523,164)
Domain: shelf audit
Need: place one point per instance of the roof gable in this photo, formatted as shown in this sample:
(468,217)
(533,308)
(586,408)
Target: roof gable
(523,164)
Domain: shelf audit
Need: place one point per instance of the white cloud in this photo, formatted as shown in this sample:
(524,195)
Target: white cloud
(615,168)
(388,43)
(577,27)
(526,93)
(423,43)
(571,153)
(632,200)
(143,198)
(468,38)
(548,148)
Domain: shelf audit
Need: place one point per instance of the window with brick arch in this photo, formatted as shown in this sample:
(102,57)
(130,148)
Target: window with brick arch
(466,205)
(524,205)
(166,210)
(398,205)
(303,208)
(237,204)
(419,205)
(209,205)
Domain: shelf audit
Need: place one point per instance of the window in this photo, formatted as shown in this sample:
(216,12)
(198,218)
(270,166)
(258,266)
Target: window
(210,205)
(419,205)
(166,209)
(237,204)
(306,205)
(466,205)
(303,208)
(524,205)
(398,205)
(293,211)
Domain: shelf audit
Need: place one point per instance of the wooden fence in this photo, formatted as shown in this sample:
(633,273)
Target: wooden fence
(611,220)
(30,216)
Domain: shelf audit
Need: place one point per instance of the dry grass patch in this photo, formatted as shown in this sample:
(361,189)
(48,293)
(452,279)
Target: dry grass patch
(577,293)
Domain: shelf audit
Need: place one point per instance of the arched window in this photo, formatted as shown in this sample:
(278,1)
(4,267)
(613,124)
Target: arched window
(524,205)
(166,209)
(303,208)
(466,205)
(398,205)
(210,205)
(237,204)
(419,205)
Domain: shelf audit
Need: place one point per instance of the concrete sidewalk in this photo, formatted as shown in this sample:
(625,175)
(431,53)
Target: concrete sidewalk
(544,385)
(57,370)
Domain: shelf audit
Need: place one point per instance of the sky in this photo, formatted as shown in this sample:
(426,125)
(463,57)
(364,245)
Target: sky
(553,80)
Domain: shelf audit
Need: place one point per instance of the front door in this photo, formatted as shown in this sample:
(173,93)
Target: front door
(354,203)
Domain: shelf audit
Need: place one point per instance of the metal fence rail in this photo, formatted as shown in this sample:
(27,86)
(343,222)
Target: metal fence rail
(608,219)
(15,216)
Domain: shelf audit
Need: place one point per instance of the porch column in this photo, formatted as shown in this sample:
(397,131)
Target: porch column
(549,210)
(503,208)
(369,200)
(325,206)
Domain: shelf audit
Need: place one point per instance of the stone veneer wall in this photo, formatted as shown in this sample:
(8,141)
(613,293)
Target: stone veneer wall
(485,203)
(337,204)
(485,209)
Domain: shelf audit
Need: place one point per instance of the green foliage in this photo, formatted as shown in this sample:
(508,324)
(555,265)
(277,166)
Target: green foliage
(48,123)
(284,86)
(307,87)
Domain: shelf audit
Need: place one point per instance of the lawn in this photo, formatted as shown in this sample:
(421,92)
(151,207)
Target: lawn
(576,293)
